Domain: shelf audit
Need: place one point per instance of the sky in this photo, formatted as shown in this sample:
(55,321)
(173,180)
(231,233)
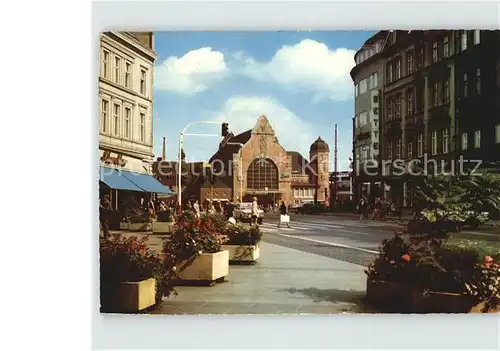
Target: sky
(299,80)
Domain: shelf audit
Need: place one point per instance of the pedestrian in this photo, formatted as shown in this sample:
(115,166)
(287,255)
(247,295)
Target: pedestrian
(229,210)
(284,217)
(196,208)
(255,212)
(105,211)
(363,207)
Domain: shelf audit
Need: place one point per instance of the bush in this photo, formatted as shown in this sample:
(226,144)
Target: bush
(131,260)
(193,236)
(431,265)
(239,234)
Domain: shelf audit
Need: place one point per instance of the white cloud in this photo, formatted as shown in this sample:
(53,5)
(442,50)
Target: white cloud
(192,73)
(293,133)
(309,65)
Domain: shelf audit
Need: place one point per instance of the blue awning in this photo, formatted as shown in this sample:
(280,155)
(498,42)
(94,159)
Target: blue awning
(115,180)
(146,182)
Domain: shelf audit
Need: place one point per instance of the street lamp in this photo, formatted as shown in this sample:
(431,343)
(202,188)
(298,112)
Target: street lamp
(179,160)
(240,167)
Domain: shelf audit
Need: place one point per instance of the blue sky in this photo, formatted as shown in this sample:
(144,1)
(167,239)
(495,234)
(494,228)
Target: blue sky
(299,80)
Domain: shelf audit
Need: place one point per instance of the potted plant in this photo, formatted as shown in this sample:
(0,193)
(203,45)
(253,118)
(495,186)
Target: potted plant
(243,243)
(132,277)
(196,246)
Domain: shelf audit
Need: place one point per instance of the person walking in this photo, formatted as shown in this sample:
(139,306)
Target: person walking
(105,211)
(255,212)
(196,208)
(284,217)
(363,207)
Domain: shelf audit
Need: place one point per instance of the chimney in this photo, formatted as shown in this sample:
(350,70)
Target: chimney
(164,154)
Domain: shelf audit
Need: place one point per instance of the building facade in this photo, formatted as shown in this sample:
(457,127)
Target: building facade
(441,105)
(126,100)
(368,78)
(254,164)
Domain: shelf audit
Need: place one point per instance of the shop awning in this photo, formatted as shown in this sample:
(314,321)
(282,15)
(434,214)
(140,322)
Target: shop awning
(115,180)
(146,182)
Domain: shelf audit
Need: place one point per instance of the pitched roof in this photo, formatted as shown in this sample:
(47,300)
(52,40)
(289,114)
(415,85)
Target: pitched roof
(226,152)
(299,162)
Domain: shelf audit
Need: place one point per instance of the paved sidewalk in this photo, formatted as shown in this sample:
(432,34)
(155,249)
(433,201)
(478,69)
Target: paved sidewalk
(283,281)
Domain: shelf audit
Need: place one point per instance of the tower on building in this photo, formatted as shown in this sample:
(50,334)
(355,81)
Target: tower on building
(319,155)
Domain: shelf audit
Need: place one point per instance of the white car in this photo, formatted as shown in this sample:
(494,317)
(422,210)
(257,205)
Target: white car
(243,212)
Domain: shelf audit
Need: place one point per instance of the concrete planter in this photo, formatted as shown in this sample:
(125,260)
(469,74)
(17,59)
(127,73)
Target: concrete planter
(444,302)
(205,268)
(124,225)
(139,227)
(242,253)
(129,297)
(162,227)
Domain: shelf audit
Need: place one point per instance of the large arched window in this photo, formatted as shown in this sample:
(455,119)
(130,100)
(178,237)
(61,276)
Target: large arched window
(262,174)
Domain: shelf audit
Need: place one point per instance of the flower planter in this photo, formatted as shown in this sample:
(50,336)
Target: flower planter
(479,308)
(442,302)
(129,297)
(242,253)
(139,227)
(124,225)
(162,227)
(392,295)
(206,268)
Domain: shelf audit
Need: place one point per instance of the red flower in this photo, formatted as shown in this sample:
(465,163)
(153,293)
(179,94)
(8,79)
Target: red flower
(406,258)
(392,262)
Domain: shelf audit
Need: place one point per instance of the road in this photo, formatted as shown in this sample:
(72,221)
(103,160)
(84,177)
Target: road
(339,238)
(336,237)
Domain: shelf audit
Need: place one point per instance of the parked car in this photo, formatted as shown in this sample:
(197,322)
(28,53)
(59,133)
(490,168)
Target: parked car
(243,213)
(310,208)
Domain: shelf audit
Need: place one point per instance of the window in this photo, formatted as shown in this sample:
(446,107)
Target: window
(389,72)
(410,102)
(356,89)
(104,116)
(464,141)
(398,149)
(142,128)
(478,81)
(365,153)
(446,91)
(296,192)
(420,61)
(143,82)
(375,110)
(363,118)
(434,142)
(301,192)
(262,174)
(463,39)
(446,141)
(410,150)
(362,86)
(389,109)
(434,52)
(389,150)
(373,80)
(127,74)
(477,36)
(497,134)
(105,64)
(435,95)
(398,107)
(477,139)
(116,119)
(420,145)
(446,47)
(465,85)
(117,70)
(409,62)
(128,114)
(398,68)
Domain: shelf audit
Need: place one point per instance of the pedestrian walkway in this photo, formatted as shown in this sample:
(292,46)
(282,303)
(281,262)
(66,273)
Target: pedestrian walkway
(283,281)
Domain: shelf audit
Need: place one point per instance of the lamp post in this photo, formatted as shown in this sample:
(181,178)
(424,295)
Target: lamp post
(179,160)
(240,166)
